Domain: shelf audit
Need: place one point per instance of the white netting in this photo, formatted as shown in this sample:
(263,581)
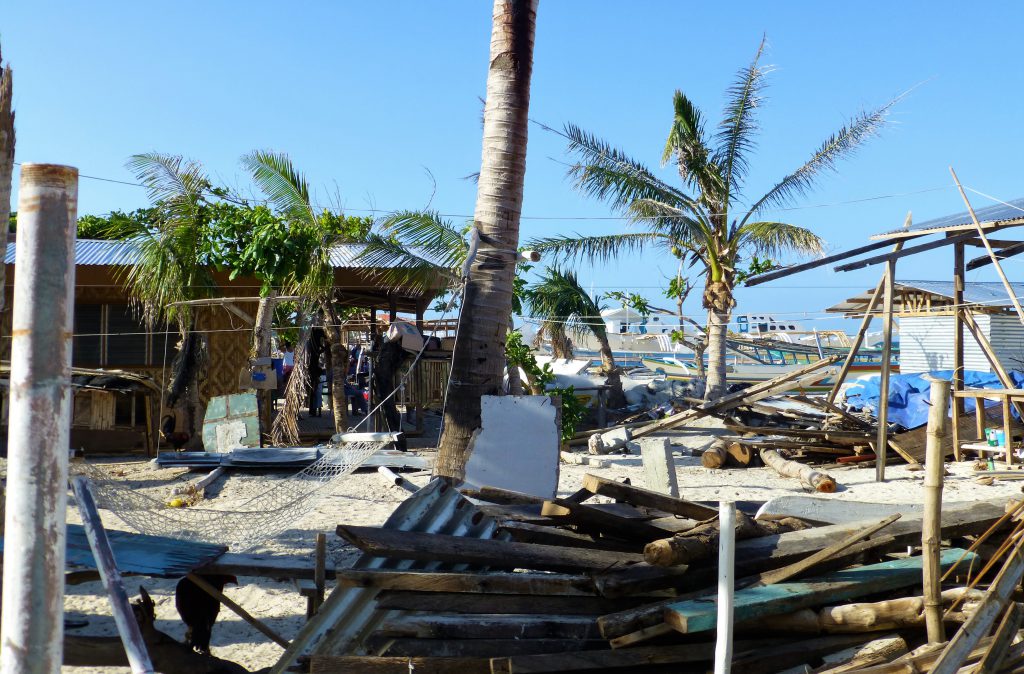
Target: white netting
(247,524)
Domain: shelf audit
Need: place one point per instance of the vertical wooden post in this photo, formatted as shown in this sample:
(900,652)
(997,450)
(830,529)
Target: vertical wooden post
(958,343)
(882,445)
(124,617)
(931,529)
(726,579)
(1007,440)
(869,310)
(320,570)
(261,349)
(392,309)
(421,307)
(32,631)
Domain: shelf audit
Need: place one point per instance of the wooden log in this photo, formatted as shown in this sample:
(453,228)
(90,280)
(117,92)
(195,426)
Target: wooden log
(817,480)
(481,583)
(437,602)
(699,615)
(488,552)
(639,496)
(879,650)
(502,496)
(701,541)
(365,664)
(715,456)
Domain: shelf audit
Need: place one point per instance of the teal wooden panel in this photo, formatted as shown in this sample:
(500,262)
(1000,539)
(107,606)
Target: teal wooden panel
(231,422)
(700,615)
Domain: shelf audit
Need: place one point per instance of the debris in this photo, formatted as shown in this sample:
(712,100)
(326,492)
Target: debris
(659,466)
(817,480)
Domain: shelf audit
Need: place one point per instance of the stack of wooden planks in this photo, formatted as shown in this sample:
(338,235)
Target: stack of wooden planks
(618,578)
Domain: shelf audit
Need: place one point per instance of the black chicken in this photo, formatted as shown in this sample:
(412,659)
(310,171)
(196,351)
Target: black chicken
(198,610)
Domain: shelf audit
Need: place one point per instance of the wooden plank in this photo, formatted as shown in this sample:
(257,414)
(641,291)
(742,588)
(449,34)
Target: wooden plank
(633,659)
(750,394)
(912,250)
(1004,636)
(438,602)
(851,438)
(756,555)
(882,413)
(264,566)
(483,583)
(645,497)
(596,520)
(490,626)
(524,532)
(489,552)
(793,269)
(365,664)
(699,615)
(487,647)
(1007,252)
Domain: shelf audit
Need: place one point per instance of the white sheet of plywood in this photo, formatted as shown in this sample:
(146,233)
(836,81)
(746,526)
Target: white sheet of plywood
(517,446)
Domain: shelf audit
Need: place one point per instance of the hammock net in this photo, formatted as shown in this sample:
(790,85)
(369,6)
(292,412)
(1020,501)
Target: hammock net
(245,525)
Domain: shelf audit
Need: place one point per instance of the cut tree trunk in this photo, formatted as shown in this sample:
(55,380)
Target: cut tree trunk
(819,481)
(701,542)
(479,357)
(718,329)
(616,398)
(722,453)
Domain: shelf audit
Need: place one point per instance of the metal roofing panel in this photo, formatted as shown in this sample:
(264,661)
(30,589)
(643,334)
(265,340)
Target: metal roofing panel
(1011,210)
(983,293)
(96,252)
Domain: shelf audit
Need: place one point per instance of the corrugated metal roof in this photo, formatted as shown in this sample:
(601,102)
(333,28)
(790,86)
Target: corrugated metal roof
(95,252)
(1010,211)
(983,293)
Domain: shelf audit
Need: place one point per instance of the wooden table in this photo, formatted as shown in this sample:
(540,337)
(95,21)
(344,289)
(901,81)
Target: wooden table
(1005,396)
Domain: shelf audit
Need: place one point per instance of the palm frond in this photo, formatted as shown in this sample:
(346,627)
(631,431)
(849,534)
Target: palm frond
(839,146)
(687,142)
(390,263)
(600,248)
(735,137)
(174,184)
(684,225)
(558,298)
(426,234)
(608,174)
(283,184)
(775,238)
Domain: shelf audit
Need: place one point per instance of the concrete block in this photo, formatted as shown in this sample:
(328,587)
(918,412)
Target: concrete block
(659,466)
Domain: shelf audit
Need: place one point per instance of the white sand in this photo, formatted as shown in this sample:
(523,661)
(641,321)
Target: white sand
(365,498)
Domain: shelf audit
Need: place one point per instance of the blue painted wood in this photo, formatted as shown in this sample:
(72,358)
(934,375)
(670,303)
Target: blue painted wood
(155,556)
(699,615)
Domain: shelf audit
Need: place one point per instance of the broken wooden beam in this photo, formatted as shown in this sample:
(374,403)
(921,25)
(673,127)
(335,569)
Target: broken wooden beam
(639,496)
(819,481)
(488,552)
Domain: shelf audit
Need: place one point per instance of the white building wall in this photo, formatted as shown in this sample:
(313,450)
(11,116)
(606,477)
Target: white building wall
(926,343)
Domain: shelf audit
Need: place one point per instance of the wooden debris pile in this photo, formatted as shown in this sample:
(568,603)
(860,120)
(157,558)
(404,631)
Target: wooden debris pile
(620,578)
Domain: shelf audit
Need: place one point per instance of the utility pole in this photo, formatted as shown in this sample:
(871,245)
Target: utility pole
(32,630)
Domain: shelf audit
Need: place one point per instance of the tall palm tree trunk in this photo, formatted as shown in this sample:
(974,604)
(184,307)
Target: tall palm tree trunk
(718,328)
(6,165)
(616,398)
(479,357)
(334,331)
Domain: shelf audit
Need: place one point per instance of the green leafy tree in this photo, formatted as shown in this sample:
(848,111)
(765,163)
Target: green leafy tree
(707,217)
(558,299)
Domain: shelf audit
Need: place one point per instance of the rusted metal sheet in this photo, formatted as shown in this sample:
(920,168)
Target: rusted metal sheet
(350,615)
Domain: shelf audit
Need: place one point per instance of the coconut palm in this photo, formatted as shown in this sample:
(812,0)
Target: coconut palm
(6,161)
(171,265)
(698,218)
(559,300)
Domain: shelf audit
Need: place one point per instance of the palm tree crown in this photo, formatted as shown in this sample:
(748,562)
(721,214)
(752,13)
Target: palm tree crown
(697,218)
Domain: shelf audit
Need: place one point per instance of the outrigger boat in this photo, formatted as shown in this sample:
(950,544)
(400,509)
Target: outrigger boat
(757,360)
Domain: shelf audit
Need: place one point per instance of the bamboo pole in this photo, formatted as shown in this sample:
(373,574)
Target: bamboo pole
(931,528)
(726,578)
(124,617)
(958,343)
(32,632)
(865,323)
(882,446)
(988,247)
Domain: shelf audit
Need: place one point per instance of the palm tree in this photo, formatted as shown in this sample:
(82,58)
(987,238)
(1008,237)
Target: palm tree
(478,362)
(315,234)
(697,219)
(6,162)
(171,266)
(559,300)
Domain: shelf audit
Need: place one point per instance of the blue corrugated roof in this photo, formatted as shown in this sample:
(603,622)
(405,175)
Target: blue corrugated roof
(95,252)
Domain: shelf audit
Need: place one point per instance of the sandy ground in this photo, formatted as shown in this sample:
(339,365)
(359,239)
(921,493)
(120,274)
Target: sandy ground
(365,498)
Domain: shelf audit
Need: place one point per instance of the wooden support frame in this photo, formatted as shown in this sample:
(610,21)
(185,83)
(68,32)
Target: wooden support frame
(882,445)
(958,342)
(1002,254)
(845,255)
(913,250)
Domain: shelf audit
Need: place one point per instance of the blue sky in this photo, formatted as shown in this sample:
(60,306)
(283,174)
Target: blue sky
(369,97)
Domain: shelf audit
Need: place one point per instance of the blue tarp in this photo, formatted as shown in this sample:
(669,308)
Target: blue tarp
(909,394)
